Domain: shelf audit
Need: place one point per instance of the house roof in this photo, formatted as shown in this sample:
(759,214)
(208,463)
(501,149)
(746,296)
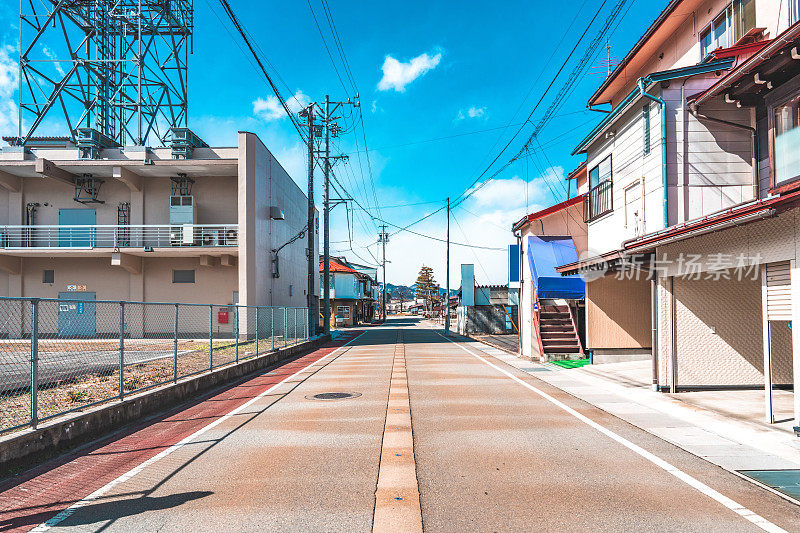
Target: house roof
(547,211)
(581,169)
(645,48)
(755,64)
(335,266)
(647,82)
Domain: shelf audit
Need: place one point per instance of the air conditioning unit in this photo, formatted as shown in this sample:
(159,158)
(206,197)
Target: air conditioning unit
(182,220)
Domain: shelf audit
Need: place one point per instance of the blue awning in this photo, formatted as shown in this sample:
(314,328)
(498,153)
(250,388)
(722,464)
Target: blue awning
(545,253)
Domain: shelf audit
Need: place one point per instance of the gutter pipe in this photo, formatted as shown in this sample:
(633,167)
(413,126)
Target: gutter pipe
(663,105)
(753,141)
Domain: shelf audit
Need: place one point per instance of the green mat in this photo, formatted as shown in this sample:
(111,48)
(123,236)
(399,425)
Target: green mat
(576,363)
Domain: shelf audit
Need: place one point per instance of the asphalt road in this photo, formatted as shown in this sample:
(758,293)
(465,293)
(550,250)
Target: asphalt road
(54,366)
(495,449)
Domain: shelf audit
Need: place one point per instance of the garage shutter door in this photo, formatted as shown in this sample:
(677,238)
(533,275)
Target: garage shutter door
(779,291)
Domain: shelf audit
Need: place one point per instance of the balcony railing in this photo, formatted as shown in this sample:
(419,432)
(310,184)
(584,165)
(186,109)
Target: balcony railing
(131,236)
(598,201)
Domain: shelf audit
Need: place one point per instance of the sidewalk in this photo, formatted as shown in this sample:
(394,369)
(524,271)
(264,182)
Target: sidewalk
(725,428)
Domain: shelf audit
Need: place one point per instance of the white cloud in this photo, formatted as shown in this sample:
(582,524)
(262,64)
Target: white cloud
(396,74)
(9,77)
(472,112)
(517,193)
(271,108)
(46,50)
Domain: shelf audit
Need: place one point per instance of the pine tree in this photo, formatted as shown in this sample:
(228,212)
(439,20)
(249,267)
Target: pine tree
(426,284)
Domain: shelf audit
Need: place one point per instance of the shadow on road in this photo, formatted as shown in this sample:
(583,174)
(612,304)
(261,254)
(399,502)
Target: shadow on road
(110,510)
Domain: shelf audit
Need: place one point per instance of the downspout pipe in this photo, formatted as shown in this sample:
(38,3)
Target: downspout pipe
(663,106)
(753,141)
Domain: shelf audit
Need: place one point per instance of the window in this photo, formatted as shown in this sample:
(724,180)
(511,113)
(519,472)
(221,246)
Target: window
(600,173)
(48,276)
(787,139)
(733,23)
(342,311)
(646,126)
(291,290)
(598,200)
(794,11)
(183,276)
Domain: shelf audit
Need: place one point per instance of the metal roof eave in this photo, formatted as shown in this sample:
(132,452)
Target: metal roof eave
(655,77)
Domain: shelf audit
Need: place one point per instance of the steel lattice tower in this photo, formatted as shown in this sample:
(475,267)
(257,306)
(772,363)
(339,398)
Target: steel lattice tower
(116,66)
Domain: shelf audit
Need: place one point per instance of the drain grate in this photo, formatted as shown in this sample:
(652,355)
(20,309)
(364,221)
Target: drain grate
(333,396)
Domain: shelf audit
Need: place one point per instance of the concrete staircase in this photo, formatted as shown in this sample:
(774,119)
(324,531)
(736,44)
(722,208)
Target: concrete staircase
(557,331)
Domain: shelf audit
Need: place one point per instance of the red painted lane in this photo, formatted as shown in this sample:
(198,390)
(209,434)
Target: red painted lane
(40,493)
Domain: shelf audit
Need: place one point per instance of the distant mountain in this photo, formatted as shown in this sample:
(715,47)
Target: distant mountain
(407,293)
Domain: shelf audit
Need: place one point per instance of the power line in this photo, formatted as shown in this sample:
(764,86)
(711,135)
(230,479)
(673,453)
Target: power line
(243,34)
(459,199)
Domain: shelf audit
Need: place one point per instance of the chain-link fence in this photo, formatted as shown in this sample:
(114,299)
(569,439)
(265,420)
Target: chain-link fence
(59,355)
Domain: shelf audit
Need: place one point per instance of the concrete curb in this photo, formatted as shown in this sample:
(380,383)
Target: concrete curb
(27,447)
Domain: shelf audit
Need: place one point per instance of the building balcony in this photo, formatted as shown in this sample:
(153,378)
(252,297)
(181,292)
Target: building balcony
(144,237)
(598,201)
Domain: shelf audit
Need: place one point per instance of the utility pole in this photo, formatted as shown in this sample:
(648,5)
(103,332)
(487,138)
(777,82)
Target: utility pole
(383,237)
(447,294)
(313,270)
(326,311)
(331,130)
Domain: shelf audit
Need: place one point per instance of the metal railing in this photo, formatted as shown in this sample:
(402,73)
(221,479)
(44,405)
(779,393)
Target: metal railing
(598,201)
(58,355)
(119,236)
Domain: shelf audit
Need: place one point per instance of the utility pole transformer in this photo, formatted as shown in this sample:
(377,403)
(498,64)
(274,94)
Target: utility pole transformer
(115,71)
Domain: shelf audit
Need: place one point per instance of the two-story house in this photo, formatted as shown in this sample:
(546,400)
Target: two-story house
(352,292)
(151,225)
(691,145)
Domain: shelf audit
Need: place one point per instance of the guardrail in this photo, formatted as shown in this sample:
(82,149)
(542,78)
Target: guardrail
(58,356)
(119,236)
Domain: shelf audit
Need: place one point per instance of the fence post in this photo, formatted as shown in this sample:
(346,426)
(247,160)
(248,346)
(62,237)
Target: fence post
(272,327)
(258,324)
(175,353)
(236,335)
(121,350)
(34,363)
(285,326)
(210,337)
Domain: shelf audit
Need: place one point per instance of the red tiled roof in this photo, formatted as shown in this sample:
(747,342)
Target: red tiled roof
(335,266)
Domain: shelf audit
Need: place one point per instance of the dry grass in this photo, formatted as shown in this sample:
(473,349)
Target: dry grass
(80,391)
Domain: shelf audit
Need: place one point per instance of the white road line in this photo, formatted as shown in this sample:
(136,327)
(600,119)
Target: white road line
(66,513)
(737,508)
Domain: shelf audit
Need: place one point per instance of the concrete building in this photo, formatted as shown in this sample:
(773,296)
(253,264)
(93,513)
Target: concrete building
(691,185)
(140,224)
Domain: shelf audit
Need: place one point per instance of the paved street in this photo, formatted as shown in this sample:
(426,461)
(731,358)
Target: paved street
(494,449)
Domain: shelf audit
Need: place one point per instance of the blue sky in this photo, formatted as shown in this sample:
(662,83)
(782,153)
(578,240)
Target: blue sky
(448,69)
